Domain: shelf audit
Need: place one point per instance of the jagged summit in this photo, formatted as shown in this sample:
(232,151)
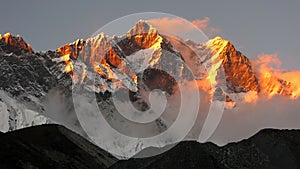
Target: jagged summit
(141,36)
(115,58)
(106,55)
(141,27)
(76,48)
(240,76)
(15,41)
(217,39)
(217,45)
(140,31)
(111,52)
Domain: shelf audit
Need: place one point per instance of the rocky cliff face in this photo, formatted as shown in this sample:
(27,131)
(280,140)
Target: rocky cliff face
(114,59)
(26,80)
(239,74)
(15,41)
(106,54)
(274,85)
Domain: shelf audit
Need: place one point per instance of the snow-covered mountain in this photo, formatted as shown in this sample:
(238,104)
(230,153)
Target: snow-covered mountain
(36,87)
(29,81)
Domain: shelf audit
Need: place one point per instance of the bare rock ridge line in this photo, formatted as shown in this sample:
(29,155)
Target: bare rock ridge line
(108,55)
(15,41)
(239,71)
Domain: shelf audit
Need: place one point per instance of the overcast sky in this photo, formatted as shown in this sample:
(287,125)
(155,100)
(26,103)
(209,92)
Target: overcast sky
(254,27)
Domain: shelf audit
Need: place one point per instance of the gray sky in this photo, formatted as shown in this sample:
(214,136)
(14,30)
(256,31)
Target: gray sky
(254,27)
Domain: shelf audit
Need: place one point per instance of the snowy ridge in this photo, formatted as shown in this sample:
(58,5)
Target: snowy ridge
(15,115)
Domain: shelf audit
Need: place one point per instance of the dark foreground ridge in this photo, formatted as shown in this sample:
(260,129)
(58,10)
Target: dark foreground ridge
(50,147)
(270,148)
(54,146)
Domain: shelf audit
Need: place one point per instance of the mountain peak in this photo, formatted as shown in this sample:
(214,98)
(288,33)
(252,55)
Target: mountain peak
(142,23)
(238,70)
(217,42)
(99,39)
(218,38)
(15,41)
(141,27)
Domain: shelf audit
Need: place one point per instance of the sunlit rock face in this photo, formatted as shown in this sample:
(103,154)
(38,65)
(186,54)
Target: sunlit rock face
(26,78)
(274,85)
(72,48)
(15,41)
(141,36)
(244,75)
(97,55)
(239,74)
(213,55)
(114,59)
